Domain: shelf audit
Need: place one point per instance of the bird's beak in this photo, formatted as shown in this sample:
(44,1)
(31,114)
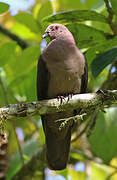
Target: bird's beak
(45,35)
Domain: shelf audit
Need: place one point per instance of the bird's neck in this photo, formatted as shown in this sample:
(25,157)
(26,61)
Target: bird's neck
(59,49)
(68,40)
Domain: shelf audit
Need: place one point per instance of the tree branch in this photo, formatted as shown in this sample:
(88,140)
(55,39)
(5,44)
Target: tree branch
(110,17)
(22,43)
(87,102)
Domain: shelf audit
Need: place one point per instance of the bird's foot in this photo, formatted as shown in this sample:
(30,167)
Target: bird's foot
(69,97)
(100,91)
(61,98)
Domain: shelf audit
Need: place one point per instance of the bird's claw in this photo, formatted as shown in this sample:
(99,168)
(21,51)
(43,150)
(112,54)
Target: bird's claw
(100,91)
(61,98)
(69,97)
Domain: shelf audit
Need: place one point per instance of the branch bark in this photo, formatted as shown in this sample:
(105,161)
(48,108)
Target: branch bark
(87,102)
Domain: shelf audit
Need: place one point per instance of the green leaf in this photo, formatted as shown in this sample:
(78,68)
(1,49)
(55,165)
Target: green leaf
(45,10)
(76,16)
(99,171)
(24,32)
(63,173)
(114,6)
(77,175)
(67,5)
(23,63)
(101,61)
(106,45)
(25,85)
(29,149)
(7,51)
(104,137)
(3,7)
(86,36)
(21,72)
(28,20)
(27,59)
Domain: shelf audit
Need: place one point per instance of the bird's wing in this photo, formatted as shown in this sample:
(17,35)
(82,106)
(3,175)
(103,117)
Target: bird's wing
(57,142)
(84,80)
(42,79)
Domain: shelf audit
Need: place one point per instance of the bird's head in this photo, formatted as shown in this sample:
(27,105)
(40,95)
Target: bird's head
(55,31)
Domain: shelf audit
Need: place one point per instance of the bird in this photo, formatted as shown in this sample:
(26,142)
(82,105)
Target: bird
(61,71)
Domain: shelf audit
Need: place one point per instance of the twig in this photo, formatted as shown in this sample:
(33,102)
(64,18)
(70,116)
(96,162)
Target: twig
(111,77)
(81,133)
(110,17)
(69,121)
(89,125)
(92,122)
(112,174)
(95,160)
(22,43)
(19,147)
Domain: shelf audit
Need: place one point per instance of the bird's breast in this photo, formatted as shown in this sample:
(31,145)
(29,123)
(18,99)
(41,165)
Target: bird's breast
(65,64)
(63,83)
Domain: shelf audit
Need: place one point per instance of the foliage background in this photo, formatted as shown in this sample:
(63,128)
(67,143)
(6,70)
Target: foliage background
(94,26)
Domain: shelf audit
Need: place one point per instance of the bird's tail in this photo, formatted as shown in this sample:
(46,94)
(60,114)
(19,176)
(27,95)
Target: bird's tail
(57,145)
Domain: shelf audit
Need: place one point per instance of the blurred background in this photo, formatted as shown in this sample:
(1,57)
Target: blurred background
(93,154)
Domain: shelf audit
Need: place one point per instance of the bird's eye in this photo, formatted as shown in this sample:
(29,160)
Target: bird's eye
(56,27)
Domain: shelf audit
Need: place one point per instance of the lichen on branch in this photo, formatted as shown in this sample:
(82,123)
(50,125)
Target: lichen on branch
(87,102)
